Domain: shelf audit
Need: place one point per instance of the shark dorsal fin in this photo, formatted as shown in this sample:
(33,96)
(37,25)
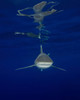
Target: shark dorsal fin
(41,49)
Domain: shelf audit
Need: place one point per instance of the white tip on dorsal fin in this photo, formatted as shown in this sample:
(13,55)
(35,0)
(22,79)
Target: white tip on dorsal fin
(41,48)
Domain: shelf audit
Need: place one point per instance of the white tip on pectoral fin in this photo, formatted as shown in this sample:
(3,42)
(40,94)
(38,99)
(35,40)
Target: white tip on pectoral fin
(59,68)
(25,67)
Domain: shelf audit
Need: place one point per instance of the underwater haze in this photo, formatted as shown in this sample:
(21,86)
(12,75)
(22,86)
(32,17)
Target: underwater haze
(61,41)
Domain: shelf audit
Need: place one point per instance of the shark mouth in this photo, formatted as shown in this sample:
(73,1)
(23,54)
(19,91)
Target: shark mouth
(44,64)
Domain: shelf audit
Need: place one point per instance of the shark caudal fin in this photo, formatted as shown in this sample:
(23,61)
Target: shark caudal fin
(25,67)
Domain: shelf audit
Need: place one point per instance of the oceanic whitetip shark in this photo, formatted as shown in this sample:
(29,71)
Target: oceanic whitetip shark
(43,61)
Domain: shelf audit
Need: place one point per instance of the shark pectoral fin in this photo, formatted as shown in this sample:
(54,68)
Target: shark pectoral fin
(25,67)
(59,11)
(21,14)
(59,68)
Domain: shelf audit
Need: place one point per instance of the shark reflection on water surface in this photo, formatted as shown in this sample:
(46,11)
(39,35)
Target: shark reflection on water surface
(38,15)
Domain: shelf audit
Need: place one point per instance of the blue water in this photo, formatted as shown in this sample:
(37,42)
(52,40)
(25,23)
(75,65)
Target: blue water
(20,51)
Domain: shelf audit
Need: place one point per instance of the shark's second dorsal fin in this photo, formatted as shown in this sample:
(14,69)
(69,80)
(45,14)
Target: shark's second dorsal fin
(41,48)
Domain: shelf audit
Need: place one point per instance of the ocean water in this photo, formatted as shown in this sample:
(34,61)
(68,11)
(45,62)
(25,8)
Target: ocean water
(19,51)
